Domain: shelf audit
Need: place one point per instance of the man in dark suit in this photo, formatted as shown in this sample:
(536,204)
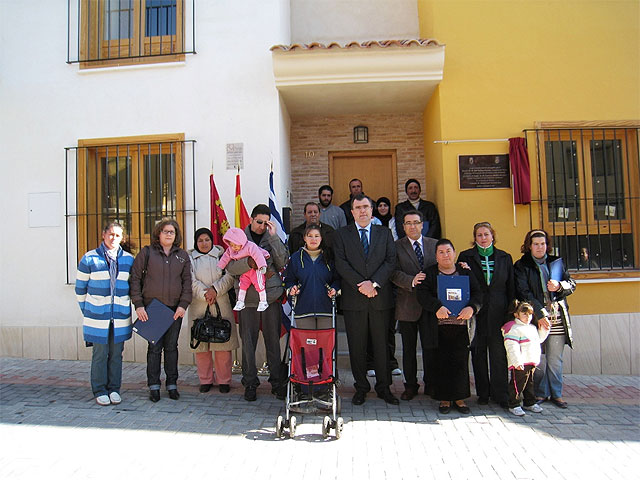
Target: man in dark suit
(365,258)
(414,253)
(431,218)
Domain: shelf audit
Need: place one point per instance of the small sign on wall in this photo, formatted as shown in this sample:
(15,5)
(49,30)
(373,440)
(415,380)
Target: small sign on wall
(235,158)
(44,209)
(484,171)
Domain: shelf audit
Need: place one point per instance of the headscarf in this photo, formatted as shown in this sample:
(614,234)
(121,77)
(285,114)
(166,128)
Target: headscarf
(199,232)
(383,218)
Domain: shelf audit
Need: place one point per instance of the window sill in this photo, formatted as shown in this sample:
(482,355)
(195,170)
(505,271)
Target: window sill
(133,63)
(606,276)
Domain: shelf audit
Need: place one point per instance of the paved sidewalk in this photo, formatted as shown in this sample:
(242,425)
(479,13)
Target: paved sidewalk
(50,427)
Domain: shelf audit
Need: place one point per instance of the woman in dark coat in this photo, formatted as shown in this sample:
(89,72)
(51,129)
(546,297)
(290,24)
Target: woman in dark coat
(493,268)
(453,332)
(535,283)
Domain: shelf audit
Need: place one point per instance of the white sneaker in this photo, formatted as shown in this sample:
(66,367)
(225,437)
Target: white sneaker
(262,306)
(239,306)
(115,398)
(103,400)
(518,412)
(371,373)
(396,371)
(535,408)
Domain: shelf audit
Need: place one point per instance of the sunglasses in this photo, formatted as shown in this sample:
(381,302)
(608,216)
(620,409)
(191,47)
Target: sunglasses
(259,222)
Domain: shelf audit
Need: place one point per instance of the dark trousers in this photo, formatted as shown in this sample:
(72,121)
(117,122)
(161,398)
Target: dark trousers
(250,322)
(489,360)
(452,363)
(360,324)
(169,343)
(521,386)
(409,332)
(391,346)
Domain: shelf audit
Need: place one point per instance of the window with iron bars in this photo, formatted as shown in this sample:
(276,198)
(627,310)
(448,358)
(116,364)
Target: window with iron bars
(135,181)
(124,32)
(588,195)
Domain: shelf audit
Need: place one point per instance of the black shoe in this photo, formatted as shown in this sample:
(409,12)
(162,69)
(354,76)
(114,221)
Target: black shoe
(359,398)
(224,388)
(154,395)
(250,394)
(462,408)
(204,388)
(559,403)
(444,409)
(409,393)
(280,392)
(388,397)
(483,400)
(173,394)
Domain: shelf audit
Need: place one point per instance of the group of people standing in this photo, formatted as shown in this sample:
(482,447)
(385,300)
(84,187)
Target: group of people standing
(380,280)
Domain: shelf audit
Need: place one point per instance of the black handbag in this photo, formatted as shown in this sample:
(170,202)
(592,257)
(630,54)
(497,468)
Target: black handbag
(210,329)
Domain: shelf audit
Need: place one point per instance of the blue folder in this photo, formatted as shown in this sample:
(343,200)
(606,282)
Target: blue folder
(160,319)
(556,270)
(454,292)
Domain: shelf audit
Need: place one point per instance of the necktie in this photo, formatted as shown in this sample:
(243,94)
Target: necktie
(364,240)
(416,247)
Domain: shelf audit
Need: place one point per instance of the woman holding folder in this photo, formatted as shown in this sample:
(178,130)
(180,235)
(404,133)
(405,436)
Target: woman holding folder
(452,325)
(543,281)
(162,271)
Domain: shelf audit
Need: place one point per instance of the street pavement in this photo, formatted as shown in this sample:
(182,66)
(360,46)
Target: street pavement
(51,427)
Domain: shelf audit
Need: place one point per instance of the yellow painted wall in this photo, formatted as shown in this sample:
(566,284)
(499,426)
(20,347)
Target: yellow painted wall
(509,63)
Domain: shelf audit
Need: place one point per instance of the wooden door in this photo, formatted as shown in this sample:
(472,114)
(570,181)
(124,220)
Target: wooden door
(376,169)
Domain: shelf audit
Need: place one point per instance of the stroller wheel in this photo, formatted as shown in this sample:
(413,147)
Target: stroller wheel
(339,427)
(279,426)
(326,426)
(292,427)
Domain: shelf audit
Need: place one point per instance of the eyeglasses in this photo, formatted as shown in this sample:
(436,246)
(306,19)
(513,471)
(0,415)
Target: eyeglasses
(259,222)
(362,207)
(412,224)
(169,232)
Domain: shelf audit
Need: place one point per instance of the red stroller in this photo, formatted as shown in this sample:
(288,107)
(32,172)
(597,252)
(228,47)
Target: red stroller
(312,364)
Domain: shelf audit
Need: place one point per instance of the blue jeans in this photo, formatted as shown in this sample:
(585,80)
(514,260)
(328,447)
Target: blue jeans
(106,366)
(169,343)
(548,377)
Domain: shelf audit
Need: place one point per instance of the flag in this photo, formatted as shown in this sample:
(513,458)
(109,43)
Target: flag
(277,220)
(242,217)
(219,222)
(275,211)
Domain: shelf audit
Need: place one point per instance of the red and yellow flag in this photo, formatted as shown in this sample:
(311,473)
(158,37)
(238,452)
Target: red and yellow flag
(242,217)
(219,222)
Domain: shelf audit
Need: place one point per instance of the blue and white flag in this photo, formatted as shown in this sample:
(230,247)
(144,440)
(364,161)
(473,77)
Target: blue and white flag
(274,208)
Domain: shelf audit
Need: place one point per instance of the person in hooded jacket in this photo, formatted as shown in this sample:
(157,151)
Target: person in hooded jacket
(210,285)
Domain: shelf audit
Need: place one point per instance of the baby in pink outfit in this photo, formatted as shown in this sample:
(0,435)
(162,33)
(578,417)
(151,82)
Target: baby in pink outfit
(239,247)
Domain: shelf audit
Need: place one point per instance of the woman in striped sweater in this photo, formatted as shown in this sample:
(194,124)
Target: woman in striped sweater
(102,290)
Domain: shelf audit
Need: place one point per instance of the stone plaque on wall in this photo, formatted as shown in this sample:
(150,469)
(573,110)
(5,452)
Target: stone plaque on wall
(484,171)
(235,158)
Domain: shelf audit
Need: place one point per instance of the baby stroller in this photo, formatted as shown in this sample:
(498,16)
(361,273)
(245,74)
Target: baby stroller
(312,384)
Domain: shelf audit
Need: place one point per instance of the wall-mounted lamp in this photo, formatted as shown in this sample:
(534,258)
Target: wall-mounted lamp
(360,134)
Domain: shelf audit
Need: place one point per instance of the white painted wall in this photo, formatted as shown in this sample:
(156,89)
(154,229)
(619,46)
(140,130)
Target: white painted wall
(345,21)
(223,94)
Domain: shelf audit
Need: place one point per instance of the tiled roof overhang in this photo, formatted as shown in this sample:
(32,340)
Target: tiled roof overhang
(390,76)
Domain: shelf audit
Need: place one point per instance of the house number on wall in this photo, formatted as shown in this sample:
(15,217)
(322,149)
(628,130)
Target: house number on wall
(309,154)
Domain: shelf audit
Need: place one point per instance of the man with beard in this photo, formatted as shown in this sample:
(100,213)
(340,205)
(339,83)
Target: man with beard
(331,215)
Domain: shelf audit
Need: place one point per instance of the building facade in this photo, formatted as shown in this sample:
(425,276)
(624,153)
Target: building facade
(122,110)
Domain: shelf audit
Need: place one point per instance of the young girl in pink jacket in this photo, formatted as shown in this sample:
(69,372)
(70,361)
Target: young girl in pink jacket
(239,247)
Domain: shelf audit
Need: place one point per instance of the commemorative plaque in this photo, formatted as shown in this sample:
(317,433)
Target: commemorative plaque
(484,171)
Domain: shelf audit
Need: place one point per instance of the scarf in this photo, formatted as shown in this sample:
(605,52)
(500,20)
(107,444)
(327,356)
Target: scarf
(486,261)
(112,260)
(541,263)
(383,218)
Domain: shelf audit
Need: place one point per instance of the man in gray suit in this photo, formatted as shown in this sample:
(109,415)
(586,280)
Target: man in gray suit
(414,253)
(365,258)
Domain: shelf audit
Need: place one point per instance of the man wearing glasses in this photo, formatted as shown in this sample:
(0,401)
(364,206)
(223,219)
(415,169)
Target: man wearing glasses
(262,231)
(414,253)
(365,257)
